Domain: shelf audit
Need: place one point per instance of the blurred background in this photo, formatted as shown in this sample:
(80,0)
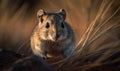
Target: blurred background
(18,18)
(96,24)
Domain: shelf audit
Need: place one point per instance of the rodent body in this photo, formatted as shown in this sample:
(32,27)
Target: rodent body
(52,36)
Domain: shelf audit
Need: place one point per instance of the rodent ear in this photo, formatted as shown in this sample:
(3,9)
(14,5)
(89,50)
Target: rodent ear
(40,13)
(62,12)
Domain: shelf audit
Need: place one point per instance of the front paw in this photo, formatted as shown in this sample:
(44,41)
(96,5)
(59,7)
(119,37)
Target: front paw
(44,58)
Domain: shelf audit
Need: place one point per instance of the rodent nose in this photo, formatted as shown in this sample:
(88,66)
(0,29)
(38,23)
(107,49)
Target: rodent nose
(57,35)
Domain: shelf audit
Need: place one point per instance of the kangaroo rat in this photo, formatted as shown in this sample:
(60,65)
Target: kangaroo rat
(52,36)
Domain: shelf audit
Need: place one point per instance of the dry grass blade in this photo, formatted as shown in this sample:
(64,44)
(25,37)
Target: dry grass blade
(96,24)
(95,30)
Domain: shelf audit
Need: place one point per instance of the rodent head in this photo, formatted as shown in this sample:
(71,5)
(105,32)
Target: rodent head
(52,25)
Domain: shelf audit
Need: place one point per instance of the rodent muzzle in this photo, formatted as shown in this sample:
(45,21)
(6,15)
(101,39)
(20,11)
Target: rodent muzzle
(55,36)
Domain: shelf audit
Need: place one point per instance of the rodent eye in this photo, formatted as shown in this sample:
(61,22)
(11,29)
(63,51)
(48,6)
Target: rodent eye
(62,25)
(47,25)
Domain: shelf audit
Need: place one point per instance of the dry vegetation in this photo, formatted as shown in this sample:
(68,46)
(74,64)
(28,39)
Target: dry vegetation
(96,24)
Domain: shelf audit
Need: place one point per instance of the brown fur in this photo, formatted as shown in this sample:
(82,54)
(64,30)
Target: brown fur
(54,40)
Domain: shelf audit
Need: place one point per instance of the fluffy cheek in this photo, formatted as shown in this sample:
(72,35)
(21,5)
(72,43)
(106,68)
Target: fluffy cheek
(44,35)
(51,37)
